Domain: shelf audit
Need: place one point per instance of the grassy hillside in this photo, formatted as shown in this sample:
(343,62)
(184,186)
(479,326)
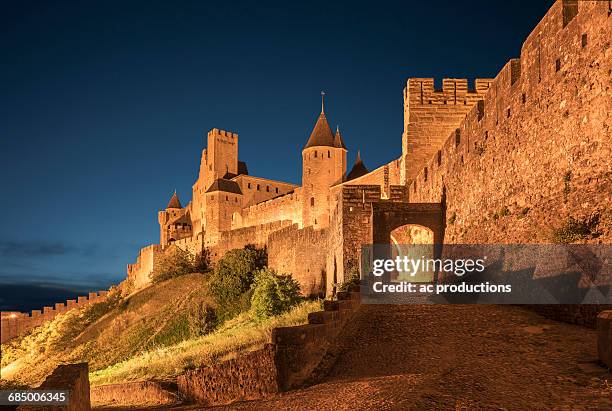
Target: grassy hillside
(156,333)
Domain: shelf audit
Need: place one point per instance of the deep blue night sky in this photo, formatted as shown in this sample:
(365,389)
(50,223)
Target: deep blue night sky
(105,106)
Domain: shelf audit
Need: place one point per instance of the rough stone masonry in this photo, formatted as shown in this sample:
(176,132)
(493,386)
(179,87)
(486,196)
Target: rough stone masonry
(517,159)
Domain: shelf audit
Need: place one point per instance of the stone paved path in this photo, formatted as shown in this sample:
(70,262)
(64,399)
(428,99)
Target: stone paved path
(456,358)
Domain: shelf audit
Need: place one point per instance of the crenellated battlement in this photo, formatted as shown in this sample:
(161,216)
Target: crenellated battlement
(17,323)
(430,114)
(422,90)
(222,133)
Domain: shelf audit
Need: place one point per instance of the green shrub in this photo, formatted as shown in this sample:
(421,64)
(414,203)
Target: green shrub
(260,254)
(232,277)
(202,320)
(352,279)
(176,262)
(201,262)
(273,294)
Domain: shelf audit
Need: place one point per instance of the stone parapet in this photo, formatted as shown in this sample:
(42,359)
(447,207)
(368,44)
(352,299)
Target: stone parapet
(14,324)
(71,377)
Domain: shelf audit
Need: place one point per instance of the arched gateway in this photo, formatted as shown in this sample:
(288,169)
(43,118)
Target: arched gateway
(388,216)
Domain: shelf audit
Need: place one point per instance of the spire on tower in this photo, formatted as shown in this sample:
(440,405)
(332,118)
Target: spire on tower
(321,134)
(358,170)
(338,142)
(322,102)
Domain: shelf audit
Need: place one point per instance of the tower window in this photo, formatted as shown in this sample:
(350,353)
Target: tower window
(328,154)
(312,201)
(584,40)
(315,154)
(257,187)
(276,190)
(249,185)
(268,189)
(557,65)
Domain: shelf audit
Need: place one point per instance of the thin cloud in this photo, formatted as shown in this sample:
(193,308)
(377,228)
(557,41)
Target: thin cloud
(34,249)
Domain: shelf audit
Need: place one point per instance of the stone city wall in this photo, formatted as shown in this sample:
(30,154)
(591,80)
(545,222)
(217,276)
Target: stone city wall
(258,189)
(255,235)
(285,207)
(536,151)
(138,273)
(301,253)
(15,324)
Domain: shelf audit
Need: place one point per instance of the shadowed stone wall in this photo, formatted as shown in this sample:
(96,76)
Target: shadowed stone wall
(247,377)
(71,377)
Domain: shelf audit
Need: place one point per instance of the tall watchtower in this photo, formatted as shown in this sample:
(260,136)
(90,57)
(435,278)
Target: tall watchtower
(323,165)
(219,160)
(222,155)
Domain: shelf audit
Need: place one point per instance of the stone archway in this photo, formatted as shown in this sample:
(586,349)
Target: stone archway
(412,241)
(388,216)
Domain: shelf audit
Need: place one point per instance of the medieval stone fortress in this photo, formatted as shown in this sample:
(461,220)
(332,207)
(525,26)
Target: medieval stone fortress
(520,158)
(502,160)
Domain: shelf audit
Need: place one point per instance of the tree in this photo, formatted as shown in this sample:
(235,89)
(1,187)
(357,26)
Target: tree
(175,262)
(273,294)
(232,279)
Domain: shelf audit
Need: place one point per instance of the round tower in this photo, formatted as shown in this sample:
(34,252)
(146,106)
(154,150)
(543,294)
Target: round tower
(323,165)
(173,210)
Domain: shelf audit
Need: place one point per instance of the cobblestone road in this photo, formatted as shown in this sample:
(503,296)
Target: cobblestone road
(459,358)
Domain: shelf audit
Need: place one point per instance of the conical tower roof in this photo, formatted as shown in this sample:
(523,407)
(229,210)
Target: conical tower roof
(174,202)
(321,134)
(358,170)
(338,142)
